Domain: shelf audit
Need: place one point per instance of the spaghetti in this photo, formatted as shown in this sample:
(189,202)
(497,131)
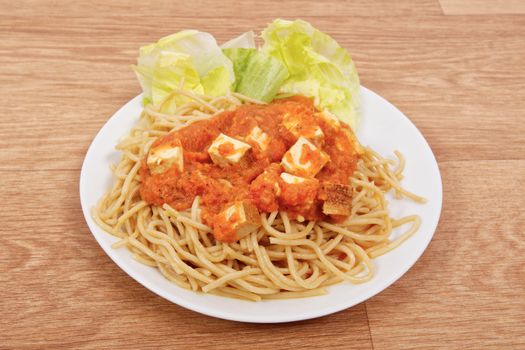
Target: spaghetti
(283,258)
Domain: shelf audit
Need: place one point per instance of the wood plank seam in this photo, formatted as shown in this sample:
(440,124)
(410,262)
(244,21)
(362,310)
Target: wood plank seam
(368,325)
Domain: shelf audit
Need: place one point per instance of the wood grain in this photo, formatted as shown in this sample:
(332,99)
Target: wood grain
(64,69)
(437,74)
(466,291)
(57,280)
(482,7)
(227,9)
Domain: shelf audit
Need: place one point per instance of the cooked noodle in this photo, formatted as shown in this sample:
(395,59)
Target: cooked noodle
(284,258)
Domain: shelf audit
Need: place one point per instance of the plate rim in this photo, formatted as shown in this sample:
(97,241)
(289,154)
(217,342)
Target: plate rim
(232,316)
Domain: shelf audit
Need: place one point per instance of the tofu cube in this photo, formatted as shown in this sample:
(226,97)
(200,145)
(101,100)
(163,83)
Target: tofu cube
(304,159)
(303,126)
(292,179)
(297,192)
(226,150)
(329,118)
(353,140)
(163,157)
(337,199)
(236,221)
(258,137)
(265,190)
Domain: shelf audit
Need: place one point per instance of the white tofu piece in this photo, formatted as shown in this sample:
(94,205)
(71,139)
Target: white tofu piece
(163,157)
(297,191)
(226,183)
(299,127)
(267,178)
(329,118)
(296,162)
(226,150)
(236,221)
(292,179)
(277,189)
(289,179)
(318,133)
(258,137)
(353,140)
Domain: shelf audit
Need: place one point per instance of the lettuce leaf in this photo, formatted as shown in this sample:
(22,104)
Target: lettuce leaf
(318,67)
(296,58)
(189,59)
(202,48)
(258,75)
(216,82)
(243,41)
(262,78)
(240,58)
(173,70)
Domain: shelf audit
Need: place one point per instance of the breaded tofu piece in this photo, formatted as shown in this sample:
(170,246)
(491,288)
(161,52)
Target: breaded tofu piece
(337,198)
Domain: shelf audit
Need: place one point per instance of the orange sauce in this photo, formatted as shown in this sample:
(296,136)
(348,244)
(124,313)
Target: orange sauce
(255,178)
(226,149)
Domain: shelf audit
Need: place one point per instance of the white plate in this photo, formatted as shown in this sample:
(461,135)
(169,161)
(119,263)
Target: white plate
(383,127)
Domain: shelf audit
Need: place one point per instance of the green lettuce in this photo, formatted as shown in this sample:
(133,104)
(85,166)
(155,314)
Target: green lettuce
(173,70)
(243,41)
(258,75)
(217,82)
(296,58)
(240,58)
(318,67)
(189,59)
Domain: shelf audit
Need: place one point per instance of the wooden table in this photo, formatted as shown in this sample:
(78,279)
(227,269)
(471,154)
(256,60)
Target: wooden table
(456,68)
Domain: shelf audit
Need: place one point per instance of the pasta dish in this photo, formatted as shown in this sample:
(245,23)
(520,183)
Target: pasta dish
(252,197)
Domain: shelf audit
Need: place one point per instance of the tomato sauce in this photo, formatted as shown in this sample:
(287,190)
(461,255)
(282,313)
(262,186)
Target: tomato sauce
(256,177)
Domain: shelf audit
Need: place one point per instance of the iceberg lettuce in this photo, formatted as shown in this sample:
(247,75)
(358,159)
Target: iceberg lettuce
(258,75)
(189,59)
(296,58)
(243,41)
(318,67)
